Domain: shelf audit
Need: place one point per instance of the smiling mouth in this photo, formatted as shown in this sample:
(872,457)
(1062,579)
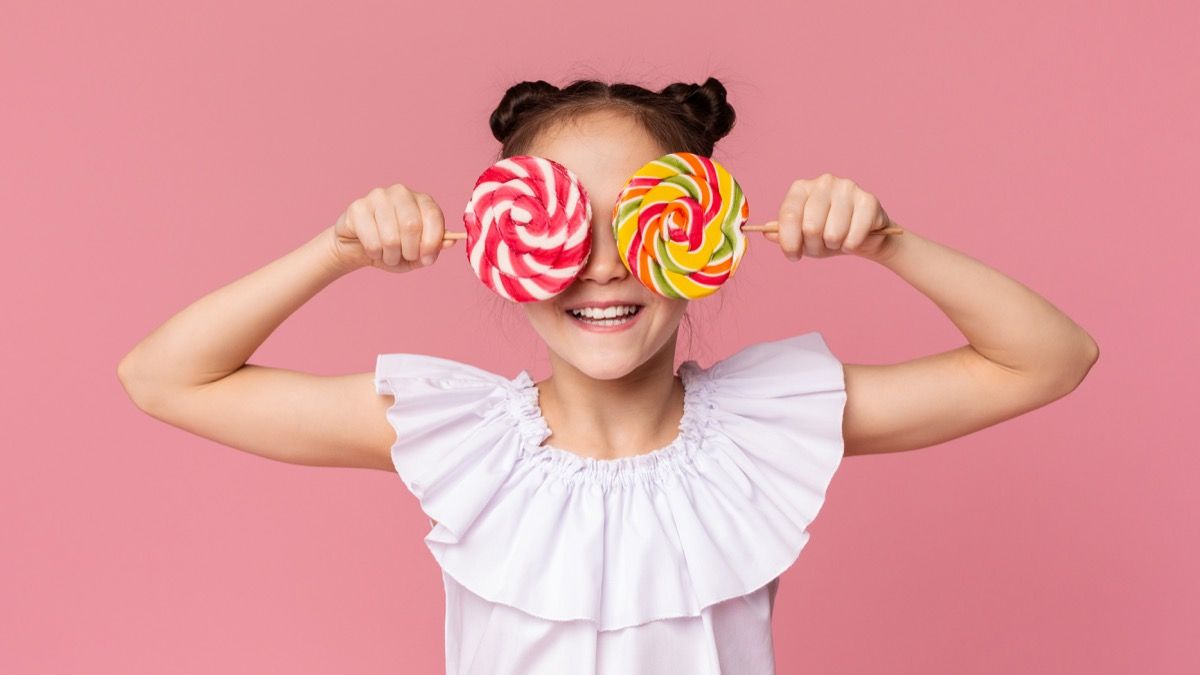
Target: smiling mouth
(607,317)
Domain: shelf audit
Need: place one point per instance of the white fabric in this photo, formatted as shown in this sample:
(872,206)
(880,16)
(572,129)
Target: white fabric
(661,562)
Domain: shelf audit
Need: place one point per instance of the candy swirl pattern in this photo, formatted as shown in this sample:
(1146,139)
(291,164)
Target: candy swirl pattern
(528,228)
(678,225)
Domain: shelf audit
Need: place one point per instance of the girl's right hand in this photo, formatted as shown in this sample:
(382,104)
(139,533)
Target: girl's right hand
(393,228)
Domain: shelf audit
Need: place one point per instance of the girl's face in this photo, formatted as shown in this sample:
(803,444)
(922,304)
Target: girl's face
(604,149)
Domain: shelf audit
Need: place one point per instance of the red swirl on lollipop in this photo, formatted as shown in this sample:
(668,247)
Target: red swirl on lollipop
(528,224)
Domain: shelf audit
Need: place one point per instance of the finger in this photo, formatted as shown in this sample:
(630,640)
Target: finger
(364,228)
(789,235)
(408,214)
(866,214)
(812,225)
(841,208)
(341,226)
(434,228)
(389,229)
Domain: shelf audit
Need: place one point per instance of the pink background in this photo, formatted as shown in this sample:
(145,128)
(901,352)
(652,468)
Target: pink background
(154,152)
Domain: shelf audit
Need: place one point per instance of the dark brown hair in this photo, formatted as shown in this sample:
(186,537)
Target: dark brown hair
(682,117)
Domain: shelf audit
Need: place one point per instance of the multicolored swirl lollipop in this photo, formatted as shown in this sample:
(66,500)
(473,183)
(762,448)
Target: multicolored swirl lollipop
(528,225)
(678,223)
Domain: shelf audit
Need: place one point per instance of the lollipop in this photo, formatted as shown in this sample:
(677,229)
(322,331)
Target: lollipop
(678,225)
(528,228)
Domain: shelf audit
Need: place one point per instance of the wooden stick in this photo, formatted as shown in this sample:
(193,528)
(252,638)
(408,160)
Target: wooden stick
(773,226)
(770,226)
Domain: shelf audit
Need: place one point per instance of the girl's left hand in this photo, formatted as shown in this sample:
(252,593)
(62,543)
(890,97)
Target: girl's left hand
(830,216)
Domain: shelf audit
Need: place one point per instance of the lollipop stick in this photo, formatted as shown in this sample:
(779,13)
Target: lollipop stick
(773,226)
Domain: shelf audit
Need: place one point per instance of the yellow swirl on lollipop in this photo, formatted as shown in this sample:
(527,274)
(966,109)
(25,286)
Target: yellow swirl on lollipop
(678,225)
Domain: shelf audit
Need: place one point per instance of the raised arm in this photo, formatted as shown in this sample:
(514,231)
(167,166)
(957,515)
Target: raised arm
(1022,352)
(192,371)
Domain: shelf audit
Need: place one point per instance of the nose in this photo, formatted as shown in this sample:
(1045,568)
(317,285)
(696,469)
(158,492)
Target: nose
(604,262)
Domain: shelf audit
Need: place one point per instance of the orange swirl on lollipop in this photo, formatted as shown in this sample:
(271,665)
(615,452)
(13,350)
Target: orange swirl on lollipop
(678,225)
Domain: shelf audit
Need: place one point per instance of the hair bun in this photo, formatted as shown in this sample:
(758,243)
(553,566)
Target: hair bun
(705,106)
(520,99)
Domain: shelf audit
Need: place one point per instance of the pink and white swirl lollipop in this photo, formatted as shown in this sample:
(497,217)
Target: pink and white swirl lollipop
(528,228)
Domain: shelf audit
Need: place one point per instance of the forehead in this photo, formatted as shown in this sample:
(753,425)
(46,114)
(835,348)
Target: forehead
(604,148)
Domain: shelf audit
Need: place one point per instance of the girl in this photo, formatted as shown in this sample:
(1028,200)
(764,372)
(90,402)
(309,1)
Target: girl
(619,516)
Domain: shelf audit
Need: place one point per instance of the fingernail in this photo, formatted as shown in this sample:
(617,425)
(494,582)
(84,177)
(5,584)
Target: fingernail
(427,260)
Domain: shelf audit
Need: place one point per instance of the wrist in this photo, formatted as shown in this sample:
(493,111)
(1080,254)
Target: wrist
(325,249)
(893,245)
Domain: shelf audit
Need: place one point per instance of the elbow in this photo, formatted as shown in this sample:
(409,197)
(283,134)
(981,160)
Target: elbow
(1091,354)
(1077,366)
(134,385)
(129,385)
(125,375)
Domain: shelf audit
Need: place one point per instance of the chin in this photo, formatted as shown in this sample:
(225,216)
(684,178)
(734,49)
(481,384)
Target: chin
(599,368)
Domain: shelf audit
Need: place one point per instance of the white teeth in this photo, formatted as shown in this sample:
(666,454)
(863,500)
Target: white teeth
(606,313)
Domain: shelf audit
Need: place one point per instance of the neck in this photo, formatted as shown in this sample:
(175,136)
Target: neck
(621,417)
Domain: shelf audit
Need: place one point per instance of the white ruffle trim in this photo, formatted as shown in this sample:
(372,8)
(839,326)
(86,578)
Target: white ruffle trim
(716,514)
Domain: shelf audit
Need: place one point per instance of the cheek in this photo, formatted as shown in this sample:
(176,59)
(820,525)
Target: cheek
(665,317)
(674,309)
(541,315)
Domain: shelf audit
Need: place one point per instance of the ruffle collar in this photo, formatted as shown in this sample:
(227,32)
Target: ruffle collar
(716,514)
(523,405)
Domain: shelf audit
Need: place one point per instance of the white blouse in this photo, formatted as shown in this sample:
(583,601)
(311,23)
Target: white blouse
(662,562)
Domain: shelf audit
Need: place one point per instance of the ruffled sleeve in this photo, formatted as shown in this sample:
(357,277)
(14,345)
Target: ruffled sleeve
(454,436)
(778,408)
(772,445)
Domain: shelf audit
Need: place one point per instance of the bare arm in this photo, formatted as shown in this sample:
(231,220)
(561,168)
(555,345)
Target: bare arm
(192,371)
(1022,354)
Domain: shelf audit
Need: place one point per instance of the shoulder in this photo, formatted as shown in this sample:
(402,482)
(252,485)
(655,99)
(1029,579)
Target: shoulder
(443,412)
(396,371)
(782,401)
(791,365)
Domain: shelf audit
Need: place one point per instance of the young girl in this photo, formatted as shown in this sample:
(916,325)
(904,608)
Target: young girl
(618,516)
